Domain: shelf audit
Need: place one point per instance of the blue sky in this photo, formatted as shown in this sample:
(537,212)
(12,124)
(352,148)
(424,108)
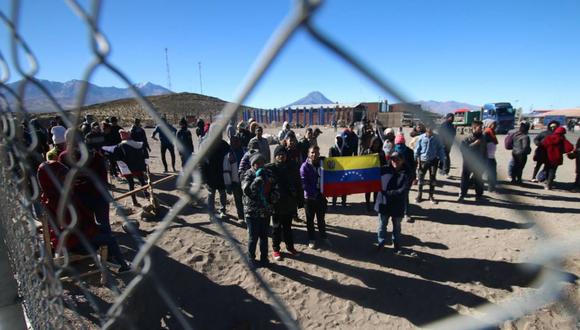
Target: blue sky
(524,52)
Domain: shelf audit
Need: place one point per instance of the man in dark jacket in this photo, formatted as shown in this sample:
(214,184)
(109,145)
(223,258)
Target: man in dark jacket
(447,133)
(213,174)
(260,194)
(95,139)
(391,200)
(521,150)
(113,136)
(337,150)
(131,153)
(351,141)
(138,135)
(540,156)
(287,176)
(473,149)
(184,136)
(166,143)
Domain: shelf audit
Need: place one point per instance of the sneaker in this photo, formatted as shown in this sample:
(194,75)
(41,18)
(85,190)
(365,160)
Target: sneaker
(293,252)
(311,244)
(276,255)
(534,180)
(408,219)
(460,198)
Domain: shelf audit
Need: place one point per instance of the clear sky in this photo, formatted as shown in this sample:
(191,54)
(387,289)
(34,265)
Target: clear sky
(522,51)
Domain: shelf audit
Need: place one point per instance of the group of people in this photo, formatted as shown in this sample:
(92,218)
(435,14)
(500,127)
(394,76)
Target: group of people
(269,188)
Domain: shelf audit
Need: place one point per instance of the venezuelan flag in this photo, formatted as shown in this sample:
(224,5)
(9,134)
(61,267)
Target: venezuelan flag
(350,175)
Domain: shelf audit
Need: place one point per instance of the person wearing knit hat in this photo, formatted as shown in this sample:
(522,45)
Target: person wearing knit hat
(287,176)
(260,194)
(59,142)
(556,146)
(245,163)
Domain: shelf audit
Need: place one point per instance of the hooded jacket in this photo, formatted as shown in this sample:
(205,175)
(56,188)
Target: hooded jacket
(287,175)
(556,146)
(260,193)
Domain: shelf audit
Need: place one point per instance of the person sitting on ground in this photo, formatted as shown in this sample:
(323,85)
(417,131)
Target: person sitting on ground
(520,151)
(428,152)
(315,202)
(130,152)
(287,176)
(556,146)
(184,136)
(474,152)
(260,193)
(390,201)
(166,143)
(138,135)
(263,143)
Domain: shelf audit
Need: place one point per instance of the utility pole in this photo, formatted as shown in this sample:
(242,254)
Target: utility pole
(167,69)
(200,81)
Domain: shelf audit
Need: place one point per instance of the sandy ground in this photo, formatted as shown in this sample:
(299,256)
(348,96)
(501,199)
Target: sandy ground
(468,254)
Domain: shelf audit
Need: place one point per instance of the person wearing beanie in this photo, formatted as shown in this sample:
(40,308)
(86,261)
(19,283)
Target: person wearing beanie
(184,136)
(520,151)
(556,146)
(166,143)
(138,134)
(447,133)
(58,141)
(245,163)
(260,194)
(287,176)
(337,150)
(429,151)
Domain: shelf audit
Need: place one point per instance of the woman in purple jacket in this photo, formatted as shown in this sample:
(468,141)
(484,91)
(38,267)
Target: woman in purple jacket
(315,202)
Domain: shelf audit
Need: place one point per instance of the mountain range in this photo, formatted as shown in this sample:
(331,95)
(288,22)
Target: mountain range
(66,94)
(317,97)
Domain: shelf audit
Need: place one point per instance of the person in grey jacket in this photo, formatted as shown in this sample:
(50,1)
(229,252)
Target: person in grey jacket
(521,150)
(263,143)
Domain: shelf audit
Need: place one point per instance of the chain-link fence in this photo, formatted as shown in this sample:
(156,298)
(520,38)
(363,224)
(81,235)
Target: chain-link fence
(55,292)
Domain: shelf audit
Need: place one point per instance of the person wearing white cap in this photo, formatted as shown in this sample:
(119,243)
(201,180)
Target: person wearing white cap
(58,141)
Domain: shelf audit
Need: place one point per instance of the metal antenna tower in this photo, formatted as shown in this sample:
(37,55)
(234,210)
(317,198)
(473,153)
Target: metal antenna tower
(200,81)
(167,68)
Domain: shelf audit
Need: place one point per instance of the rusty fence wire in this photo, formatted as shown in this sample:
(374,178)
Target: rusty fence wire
(40,277)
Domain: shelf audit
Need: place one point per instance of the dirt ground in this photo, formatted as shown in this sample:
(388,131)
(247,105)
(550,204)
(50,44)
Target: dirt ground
(467,254)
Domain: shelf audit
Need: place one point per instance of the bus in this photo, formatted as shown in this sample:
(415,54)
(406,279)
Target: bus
(503,113)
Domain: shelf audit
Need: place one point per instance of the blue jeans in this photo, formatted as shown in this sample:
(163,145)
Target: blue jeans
(257,230)
(382,230)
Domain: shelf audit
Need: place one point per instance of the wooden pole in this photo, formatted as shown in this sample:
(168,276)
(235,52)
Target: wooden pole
(147,186)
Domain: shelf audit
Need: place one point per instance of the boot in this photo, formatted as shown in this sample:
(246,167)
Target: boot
(419,197)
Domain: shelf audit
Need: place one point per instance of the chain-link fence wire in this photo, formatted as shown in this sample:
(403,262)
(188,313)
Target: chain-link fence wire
(39,276)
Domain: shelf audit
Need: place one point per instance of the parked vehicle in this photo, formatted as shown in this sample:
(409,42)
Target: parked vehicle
(503,113)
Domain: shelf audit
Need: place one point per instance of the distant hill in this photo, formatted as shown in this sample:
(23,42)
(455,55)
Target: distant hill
(174,105)
(312,98)
(67,92)
(445,107)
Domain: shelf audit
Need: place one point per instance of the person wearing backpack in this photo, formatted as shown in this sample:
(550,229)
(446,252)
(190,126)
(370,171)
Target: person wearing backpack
(520,151)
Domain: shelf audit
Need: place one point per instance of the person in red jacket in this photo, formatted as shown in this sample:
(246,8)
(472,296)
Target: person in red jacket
(556,146)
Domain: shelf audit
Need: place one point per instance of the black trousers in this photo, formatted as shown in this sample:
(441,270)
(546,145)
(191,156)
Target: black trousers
(431,167)
(282,227)
(550,175)
(446,165)
(519,164)
(466,175)
(171,152)
(131,183)
(315,208)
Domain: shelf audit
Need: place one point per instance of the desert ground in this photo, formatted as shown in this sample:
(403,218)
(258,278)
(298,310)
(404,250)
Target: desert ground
(467,254)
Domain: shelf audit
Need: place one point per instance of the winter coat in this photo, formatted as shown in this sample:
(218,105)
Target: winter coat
(447,139)
(521,144)
(131,153)
(350,142)
(556,146)
(478,151)
(394,189)
(138,134)
(245,162)
(213,168)
(287,175)
(85,186)
(186,138)
(310,176)
(51,175)
(164,139)
(260,193)
(244,137)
